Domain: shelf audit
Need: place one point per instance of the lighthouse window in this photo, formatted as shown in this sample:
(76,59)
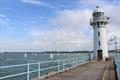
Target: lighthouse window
(99,43)
(98,24)
(99,34)
(96,14)
(99,14)
(101,23)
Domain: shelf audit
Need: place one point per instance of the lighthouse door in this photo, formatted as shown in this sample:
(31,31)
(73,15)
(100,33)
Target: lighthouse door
(99,52)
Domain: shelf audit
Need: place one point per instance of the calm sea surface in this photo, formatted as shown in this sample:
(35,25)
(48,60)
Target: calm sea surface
(21,58)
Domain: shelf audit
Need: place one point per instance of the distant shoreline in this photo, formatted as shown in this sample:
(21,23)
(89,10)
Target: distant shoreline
(118,51)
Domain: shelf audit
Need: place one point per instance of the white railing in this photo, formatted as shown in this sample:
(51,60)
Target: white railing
(98,19)
(41,68)
(117,61)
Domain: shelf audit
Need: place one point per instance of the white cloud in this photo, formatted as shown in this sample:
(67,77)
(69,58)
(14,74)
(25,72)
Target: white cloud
(113,12)
(38,20)
(2,16)
(39,3)
(15,44)
(113,29)
(92,3)
(73,19)
(60,40)
(4,19)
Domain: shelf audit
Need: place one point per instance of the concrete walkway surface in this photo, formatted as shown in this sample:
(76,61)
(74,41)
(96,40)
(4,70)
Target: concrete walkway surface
(94,70)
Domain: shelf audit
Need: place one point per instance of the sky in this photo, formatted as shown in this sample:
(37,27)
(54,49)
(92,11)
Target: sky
(54,25)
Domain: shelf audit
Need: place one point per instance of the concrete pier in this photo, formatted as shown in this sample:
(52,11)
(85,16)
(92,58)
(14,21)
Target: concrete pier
(94,70)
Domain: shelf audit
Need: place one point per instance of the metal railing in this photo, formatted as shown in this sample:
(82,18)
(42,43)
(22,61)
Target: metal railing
(118,65)
(41,68)
(98,19)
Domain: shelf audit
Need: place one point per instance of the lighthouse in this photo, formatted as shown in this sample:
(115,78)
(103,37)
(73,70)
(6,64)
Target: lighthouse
(99,22)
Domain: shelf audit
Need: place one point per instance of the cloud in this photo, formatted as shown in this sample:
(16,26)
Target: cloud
(59,40)
(113,12)
(39,3)
(73,19)
(92,2)
(4,19)
(36,2)
(113,31)
(38,20)
(113,28)
(10,45)
(2,16)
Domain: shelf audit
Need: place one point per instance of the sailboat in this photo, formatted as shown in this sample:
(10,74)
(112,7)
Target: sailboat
(51,56)
(1,57)
(32,54)
(35,54)
(25,55)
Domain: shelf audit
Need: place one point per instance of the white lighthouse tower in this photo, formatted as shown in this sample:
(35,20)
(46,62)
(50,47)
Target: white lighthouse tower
(99,22)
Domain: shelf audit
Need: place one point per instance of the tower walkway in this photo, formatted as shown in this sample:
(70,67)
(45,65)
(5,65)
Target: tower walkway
(94,70)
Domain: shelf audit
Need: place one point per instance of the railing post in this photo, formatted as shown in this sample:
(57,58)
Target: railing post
(58,65)
(73,62)
(39,74)
(28,71)
(63,64)
(76,60)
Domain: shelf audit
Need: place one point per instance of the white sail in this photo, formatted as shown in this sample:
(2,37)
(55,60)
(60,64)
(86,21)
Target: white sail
(51,56)
(25,55)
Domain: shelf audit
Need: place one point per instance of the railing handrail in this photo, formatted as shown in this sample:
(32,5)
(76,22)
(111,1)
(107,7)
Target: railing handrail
(19,65)
(98,19)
